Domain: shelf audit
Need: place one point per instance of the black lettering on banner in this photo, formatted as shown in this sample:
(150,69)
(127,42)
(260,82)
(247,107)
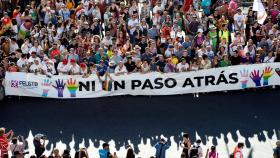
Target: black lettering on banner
(92,85)
(147,84)
(158,82)
(135,83)
(86,86)
(166,83)
(222,78)
(209,80)
(233,77)
(188,82)
(199,80)
(119,85)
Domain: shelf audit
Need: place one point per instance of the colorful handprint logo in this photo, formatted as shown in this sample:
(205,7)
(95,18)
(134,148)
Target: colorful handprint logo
(244,78)
(46,85)
(59,87)
(256,77)
(72,87)
(267,73)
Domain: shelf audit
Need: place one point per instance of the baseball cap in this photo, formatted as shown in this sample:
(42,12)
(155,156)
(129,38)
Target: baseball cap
(72,60)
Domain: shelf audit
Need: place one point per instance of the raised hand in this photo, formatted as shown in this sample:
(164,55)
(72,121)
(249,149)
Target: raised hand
(59,87)
(72,87)
(244,78)
(267,73)
(256,77)
(46,84)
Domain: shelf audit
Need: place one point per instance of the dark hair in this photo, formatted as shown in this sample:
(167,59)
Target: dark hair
(33,156)
(213,148)
(14,140)
(66,154)
(130,153)
(186,135)
(240,145)
(198,141)
(104,145)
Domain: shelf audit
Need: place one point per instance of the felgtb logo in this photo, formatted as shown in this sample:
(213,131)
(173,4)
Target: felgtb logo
(14,84)
(24,84)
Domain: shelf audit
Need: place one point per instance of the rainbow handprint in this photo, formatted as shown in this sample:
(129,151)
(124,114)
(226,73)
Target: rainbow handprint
(72,87)
(267,73)
(256,77)
(244,78)
(46,84)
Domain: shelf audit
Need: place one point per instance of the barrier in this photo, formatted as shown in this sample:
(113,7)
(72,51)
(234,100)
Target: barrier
(154,83)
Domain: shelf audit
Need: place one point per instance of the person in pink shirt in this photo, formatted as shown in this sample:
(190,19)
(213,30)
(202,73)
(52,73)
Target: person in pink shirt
(274,13)
(5,138)
(213,153)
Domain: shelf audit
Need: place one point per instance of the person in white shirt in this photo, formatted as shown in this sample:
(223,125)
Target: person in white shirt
(157,8)
(132,23)
(209,52)
(36,48)
(25,47)
(73,68)
(183,66)
(22,63)
(239,20)
(36,67)
(18,145)
(145,67)
(196,150)
(206,62)
(107,40)
(49,68)
(62,67)
(269,58)
(32,58)
(83,69)
(120,69)
(13,45)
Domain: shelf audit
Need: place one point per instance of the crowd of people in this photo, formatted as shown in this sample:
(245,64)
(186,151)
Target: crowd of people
(83,37)
(17,146)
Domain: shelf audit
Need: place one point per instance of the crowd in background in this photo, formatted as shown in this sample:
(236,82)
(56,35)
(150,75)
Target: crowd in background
(17,146)
(83,37)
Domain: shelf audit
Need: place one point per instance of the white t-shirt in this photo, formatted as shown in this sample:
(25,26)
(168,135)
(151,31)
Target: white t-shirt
(13,47)
(120,70)
(61,68)
(83,72)
(31,60)
(34,49)
(133,23)
(22,62)
(73,69)
(34,67)
(239,19)
(182,67)
(267,59)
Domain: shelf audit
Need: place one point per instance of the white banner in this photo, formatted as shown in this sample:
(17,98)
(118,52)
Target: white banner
(216,79)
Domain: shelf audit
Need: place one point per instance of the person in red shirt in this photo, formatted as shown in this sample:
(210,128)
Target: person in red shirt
(55,52)
(6,21)
(5,138)
(165,31)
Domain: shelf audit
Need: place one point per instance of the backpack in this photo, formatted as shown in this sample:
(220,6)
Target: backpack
(194,152)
